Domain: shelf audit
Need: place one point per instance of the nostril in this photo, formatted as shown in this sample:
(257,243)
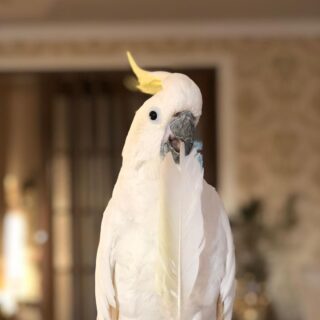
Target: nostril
(177,114)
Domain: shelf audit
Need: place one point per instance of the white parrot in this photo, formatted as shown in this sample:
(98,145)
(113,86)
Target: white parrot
(166,248)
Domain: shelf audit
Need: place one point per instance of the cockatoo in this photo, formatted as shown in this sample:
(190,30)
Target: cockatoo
(166,249)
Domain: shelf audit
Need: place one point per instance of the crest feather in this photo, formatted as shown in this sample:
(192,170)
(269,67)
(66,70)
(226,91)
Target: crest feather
(148,82)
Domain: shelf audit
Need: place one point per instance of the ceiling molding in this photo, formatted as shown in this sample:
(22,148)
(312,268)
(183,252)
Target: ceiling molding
(267,28)
(101,46)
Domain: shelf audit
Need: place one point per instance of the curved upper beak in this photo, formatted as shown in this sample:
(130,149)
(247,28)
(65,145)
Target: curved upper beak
(181,130)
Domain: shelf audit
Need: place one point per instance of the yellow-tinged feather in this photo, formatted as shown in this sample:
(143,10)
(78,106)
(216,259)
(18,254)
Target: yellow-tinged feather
(181,234)
(148,83)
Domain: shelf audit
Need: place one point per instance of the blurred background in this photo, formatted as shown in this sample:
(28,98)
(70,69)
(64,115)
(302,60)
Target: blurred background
(67,101)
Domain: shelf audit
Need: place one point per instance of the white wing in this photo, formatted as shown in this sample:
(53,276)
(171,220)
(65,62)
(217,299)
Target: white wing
(104,287)
(220,249)
(228,284)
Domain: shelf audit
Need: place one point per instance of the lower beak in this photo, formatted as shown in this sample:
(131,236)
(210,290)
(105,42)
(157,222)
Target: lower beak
(181,130)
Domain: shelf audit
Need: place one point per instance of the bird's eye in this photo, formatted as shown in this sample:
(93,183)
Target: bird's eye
(153,115)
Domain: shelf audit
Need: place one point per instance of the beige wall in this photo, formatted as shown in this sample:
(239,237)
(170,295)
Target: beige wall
(277,152)
(277,107)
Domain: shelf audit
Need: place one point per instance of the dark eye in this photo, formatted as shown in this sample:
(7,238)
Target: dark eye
(153,115)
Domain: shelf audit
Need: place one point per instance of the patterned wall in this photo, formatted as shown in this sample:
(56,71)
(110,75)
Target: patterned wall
(278,154)
(278,117)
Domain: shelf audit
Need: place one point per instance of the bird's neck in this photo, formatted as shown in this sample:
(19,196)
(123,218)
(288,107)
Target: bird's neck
(143,170)
(141,189)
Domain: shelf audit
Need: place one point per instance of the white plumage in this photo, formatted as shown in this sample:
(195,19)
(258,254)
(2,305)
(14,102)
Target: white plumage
(181,233)
(166,249)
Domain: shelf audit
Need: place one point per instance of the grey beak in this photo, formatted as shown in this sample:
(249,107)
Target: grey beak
(182,127)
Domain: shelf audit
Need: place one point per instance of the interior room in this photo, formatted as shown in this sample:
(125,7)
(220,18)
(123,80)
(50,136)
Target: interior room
(67,100)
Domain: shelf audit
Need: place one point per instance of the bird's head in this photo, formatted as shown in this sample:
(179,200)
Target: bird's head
(166,120)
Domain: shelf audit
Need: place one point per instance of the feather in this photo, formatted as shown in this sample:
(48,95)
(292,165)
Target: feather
(228,284)
(219,252)
(181,232)
(104,287)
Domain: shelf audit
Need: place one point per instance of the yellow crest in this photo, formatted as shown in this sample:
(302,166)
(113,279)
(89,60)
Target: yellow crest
(147,82)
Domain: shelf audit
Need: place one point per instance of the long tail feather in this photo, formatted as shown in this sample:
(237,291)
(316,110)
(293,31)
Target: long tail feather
(181,232)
